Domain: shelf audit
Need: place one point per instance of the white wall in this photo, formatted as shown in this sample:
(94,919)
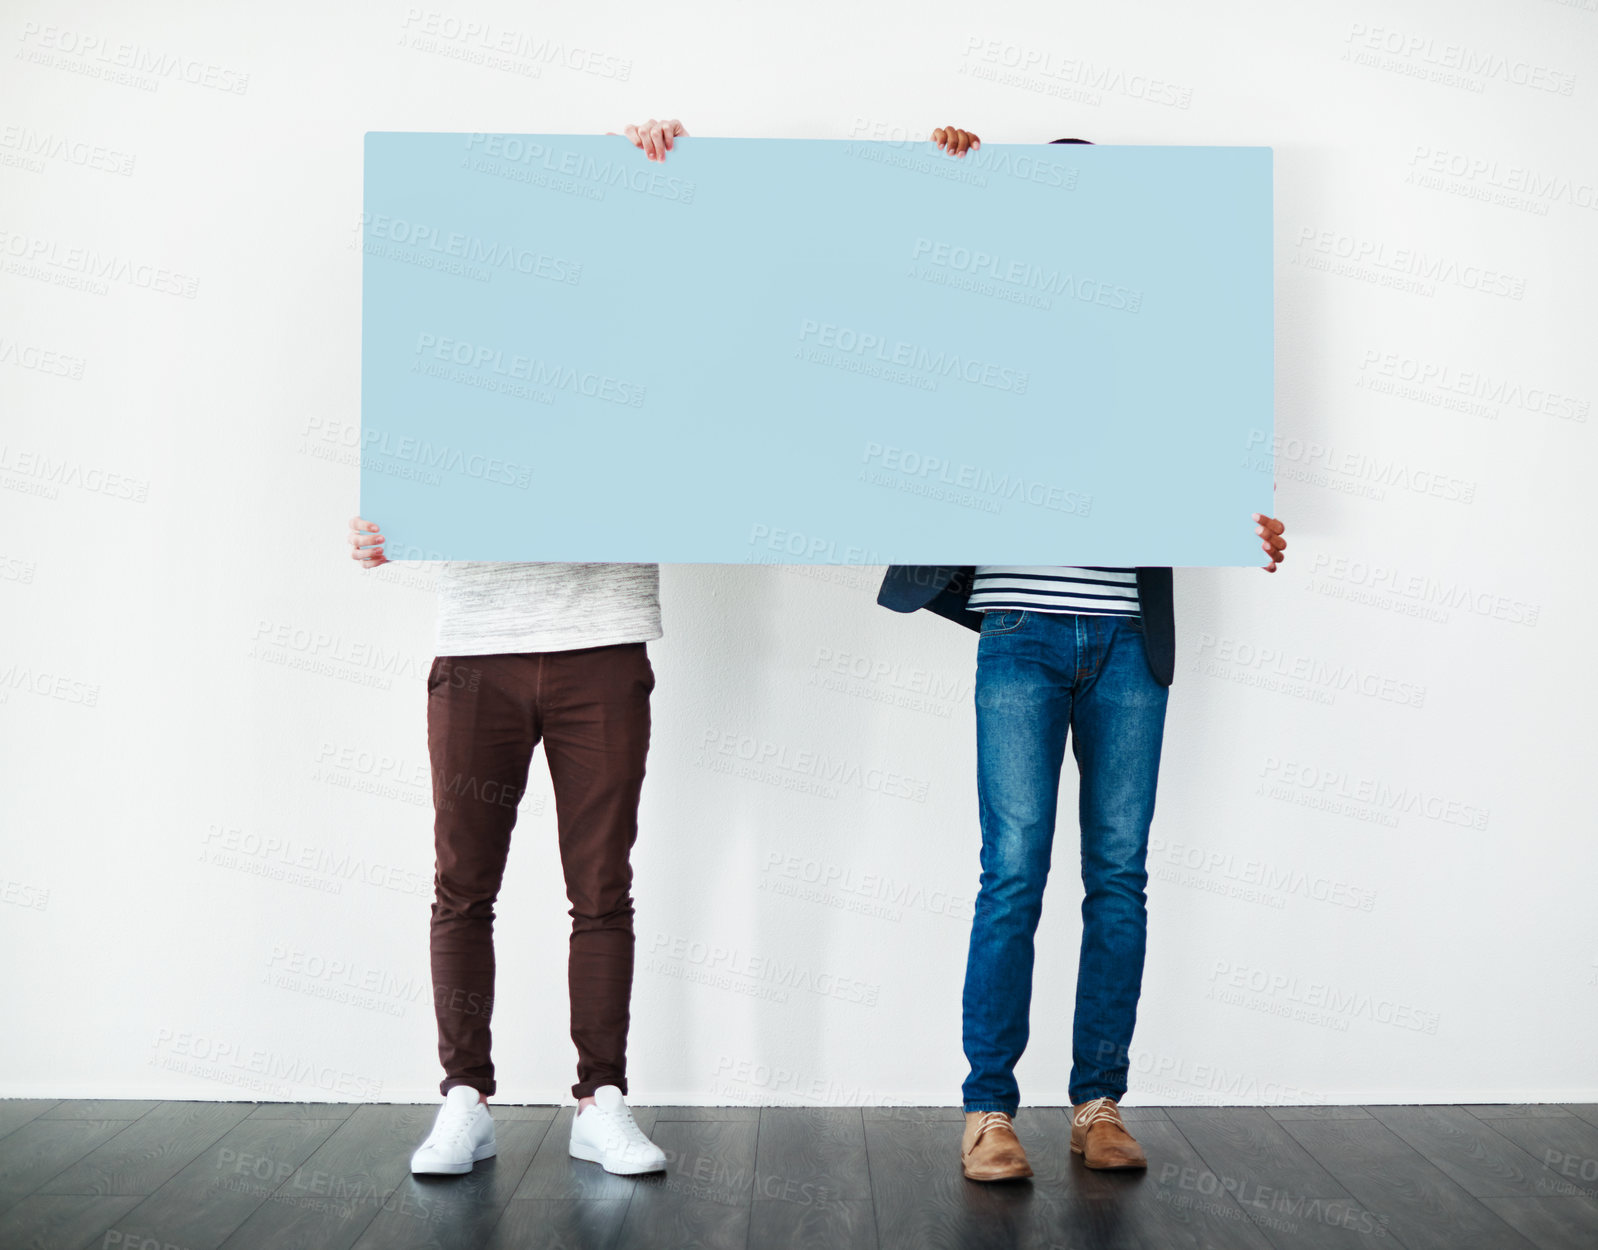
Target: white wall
(152,716)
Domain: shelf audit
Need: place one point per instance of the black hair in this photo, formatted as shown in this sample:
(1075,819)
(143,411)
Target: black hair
(1070,140)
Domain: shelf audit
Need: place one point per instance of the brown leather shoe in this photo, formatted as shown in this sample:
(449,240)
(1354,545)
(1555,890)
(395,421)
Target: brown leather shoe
(990,1150)
(1099,1135)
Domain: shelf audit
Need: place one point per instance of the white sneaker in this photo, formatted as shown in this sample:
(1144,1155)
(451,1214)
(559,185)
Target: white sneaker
(462,1134)
(606,1134)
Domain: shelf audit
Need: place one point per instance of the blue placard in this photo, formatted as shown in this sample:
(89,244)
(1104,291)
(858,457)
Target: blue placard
(818,351)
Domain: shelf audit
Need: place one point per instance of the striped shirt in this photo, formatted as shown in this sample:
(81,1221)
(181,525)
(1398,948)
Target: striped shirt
(1089,590)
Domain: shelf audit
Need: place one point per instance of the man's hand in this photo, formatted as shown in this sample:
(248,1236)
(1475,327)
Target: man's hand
(367,543)
(1275,546)
(654,137)
(955,142)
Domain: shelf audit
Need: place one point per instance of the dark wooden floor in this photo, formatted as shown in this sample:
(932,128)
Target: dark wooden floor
(196,1175)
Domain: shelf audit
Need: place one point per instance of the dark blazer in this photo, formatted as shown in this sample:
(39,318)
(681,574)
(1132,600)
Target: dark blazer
(943,588)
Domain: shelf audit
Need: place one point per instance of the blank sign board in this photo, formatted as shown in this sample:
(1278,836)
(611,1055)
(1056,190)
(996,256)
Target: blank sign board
(816,351)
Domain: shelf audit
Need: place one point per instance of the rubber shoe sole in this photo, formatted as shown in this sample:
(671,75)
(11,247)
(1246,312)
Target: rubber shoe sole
(996,1176)
(590,1155)
(485,1151)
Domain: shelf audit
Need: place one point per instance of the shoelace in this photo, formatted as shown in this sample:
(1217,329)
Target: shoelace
(445,1134)
(991,1119)
(621,1121)
(1099,1109)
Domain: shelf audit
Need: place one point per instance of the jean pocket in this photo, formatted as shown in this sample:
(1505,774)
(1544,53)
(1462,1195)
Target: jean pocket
(1002,621)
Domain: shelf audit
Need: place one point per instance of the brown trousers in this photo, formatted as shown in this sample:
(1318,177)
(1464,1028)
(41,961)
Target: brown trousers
(485,714)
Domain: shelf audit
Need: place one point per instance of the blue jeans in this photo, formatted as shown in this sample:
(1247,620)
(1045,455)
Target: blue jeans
(1039,673)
